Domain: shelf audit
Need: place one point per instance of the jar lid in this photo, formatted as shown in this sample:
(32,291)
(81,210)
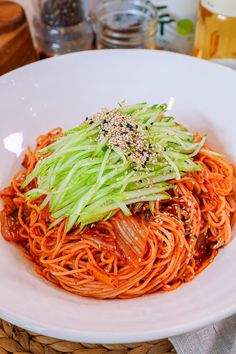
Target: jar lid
(12,16)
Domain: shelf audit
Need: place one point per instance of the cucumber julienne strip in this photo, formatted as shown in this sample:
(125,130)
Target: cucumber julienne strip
(85,180)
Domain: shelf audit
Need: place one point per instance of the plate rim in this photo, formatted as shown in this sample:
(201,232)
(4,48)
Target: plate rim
(118,338)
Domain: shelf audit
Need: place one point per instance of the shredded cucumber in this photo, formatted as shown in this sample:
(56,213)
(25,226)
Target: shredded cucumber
(84,180)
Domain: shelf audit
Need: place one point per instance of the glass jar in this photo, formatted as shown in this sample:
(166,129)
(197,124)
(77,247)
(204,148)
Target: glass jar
(61,26)
(125,24)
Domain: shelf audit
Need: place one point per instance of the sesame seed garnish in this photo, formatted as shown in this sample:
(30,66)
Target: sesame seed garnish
(124,133)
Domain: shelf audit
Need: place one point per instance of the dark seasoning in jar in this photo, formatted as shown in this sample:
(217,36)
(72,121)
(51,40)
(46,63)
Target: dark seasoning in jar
(62,13)
(125,24)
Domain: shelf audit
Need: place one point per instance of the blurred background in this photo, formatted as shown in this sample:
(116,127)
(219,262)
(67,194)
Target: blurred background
(37,29)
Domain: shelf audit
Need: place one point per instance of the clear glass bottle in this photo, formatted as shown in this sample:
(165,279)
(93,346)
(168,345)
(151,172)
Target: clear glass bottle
(216,30)
(125,24)
(61,26)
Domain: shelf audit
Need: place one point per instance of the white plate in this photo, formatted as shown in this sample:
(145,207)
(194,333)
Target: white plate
(61,91)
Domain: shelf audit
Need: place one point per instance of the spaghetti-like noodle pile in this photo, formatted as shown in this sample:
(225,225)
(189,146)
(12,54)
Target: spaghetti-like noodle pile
(127,256)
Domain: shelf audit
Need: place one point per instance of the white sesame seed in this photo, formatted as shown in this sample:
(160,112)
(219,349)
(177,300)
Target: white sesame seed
(124,133)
